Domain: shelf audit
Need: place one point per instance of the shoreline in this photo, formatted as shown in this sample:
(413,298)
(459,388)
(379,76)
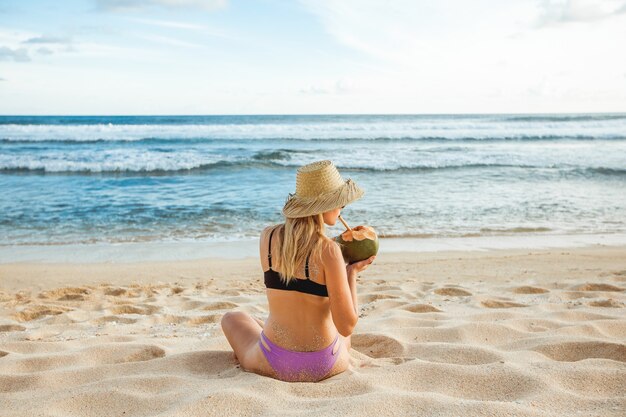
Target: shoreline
(172,251)
(444,266)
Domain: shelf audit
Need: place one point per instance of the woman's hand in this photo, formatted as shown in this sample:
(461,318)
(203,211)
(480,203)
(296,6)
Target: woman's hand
(360,266)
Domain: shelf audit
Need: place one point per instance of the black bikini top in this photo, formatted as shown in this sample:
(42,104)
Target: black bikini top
(272,278)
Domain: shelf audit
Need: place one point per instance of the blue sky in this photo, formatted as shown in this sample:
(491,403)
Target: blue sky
(311,56)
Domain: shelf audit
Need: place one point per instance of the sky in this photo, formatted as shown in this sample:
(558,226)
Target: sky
(312,56)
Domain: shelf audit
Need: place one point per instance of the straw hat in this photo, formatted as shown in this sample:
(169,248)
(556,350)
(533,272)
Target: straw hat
(320,188)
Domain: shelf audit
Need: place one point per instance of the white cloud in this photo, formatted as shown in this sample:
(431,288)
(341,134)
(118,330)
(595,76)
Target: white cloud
(24,44)
(567,11)
(13,37)
(410,32)
(17,55)
(48,39)
(481,54)
(45,51)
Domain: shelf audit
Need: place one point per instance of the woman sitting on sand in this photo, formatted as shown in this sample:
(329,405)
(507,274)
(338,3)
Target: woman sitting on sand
(310,290)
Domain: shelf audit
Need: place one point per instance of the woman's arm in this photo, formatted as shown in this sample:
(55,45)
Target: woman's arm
(341,294)
(341,285)
(352,284)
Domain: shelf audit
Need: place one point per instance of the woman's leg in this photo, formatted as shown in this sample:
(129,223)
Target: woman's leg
(261,322)
(242,332)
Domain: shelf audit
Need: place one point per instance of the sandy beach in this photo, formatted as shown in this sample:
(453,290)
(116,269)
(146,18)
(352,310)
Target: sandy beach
(147,146)
(513,332)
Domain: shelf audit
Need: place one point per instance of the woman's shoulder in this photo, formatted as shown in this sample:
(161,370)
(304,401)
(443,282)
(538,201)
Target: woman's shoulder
(330,248)
(267,230)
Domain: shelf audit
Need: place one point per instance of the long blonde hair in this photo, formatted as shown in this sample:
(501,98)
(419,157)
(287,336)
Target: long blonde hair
(298,238)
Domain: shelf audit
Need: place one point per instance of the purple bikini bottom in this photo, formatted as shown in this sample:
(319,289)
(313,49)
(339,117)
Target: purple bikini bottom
(294,366)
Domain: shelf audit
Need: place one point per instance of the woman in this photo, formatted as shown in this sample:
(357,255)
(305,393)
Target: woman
(310,290)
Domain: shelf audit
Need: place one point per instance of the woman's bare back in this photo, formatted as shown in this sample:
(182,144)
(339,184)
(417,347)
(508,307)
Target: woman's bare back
(297,321)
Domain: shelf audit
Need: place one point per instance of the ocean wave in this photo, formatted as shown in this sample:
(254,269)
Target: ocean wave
(606,171)
(280,154)
(328,128)
(268,160)
(564,118)
(205,140)
(512,230)
(145,169)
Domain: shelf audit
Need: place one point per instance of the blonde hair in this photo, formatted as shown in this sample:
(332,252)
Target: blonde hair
(299,237)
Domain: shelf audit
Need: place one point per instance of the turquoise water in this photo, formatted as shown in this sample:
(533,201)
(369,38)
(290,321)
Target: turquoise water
(75,179)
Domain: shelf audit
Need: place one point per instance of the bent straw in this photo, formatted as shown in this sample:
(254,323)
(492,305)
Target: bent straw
(344,223)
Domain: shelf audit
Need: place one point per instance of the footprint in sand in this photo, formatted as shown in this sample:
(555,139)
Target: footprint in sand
(12,328)
(422,308)
(71,297)
(621,273)
(231,293)
(115,292)
(67,293)
(453,292)
(383,288)
(191,305)
(3,353)
(167,319)
(376,345)
(113,319)
(211,318)
(577,351)
(427,285)
(529,290)
(121,353)
(220,305)
(130,309)
(501,304)
(454,354)
(37,311)
(368,298)
(145,354)
(606,303)
(124,292)
(598,287)
(575,295)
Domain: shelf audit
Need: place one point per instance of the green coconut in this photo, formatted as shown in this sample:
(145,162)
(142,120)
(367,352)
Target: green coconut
(358,243)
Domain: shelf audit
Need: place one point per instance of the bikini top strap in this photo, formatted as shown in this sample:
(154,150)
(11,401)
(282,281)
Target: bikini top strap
(269,249)
(306,268)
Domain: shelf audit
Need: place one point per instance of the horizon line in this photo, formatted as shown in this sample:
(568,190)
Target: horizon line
(307,114)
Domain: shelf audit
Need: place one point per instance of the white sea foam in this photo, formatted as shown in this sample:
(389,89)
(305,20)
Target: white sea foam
(375,157)
(452,129)
(114,160)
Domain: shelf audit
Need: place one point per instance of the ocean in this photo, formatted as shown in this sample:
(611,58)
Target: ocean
(87,179)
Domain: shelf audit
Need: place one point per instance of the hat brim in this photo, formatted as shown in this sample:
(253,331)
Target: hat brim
(296,206)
